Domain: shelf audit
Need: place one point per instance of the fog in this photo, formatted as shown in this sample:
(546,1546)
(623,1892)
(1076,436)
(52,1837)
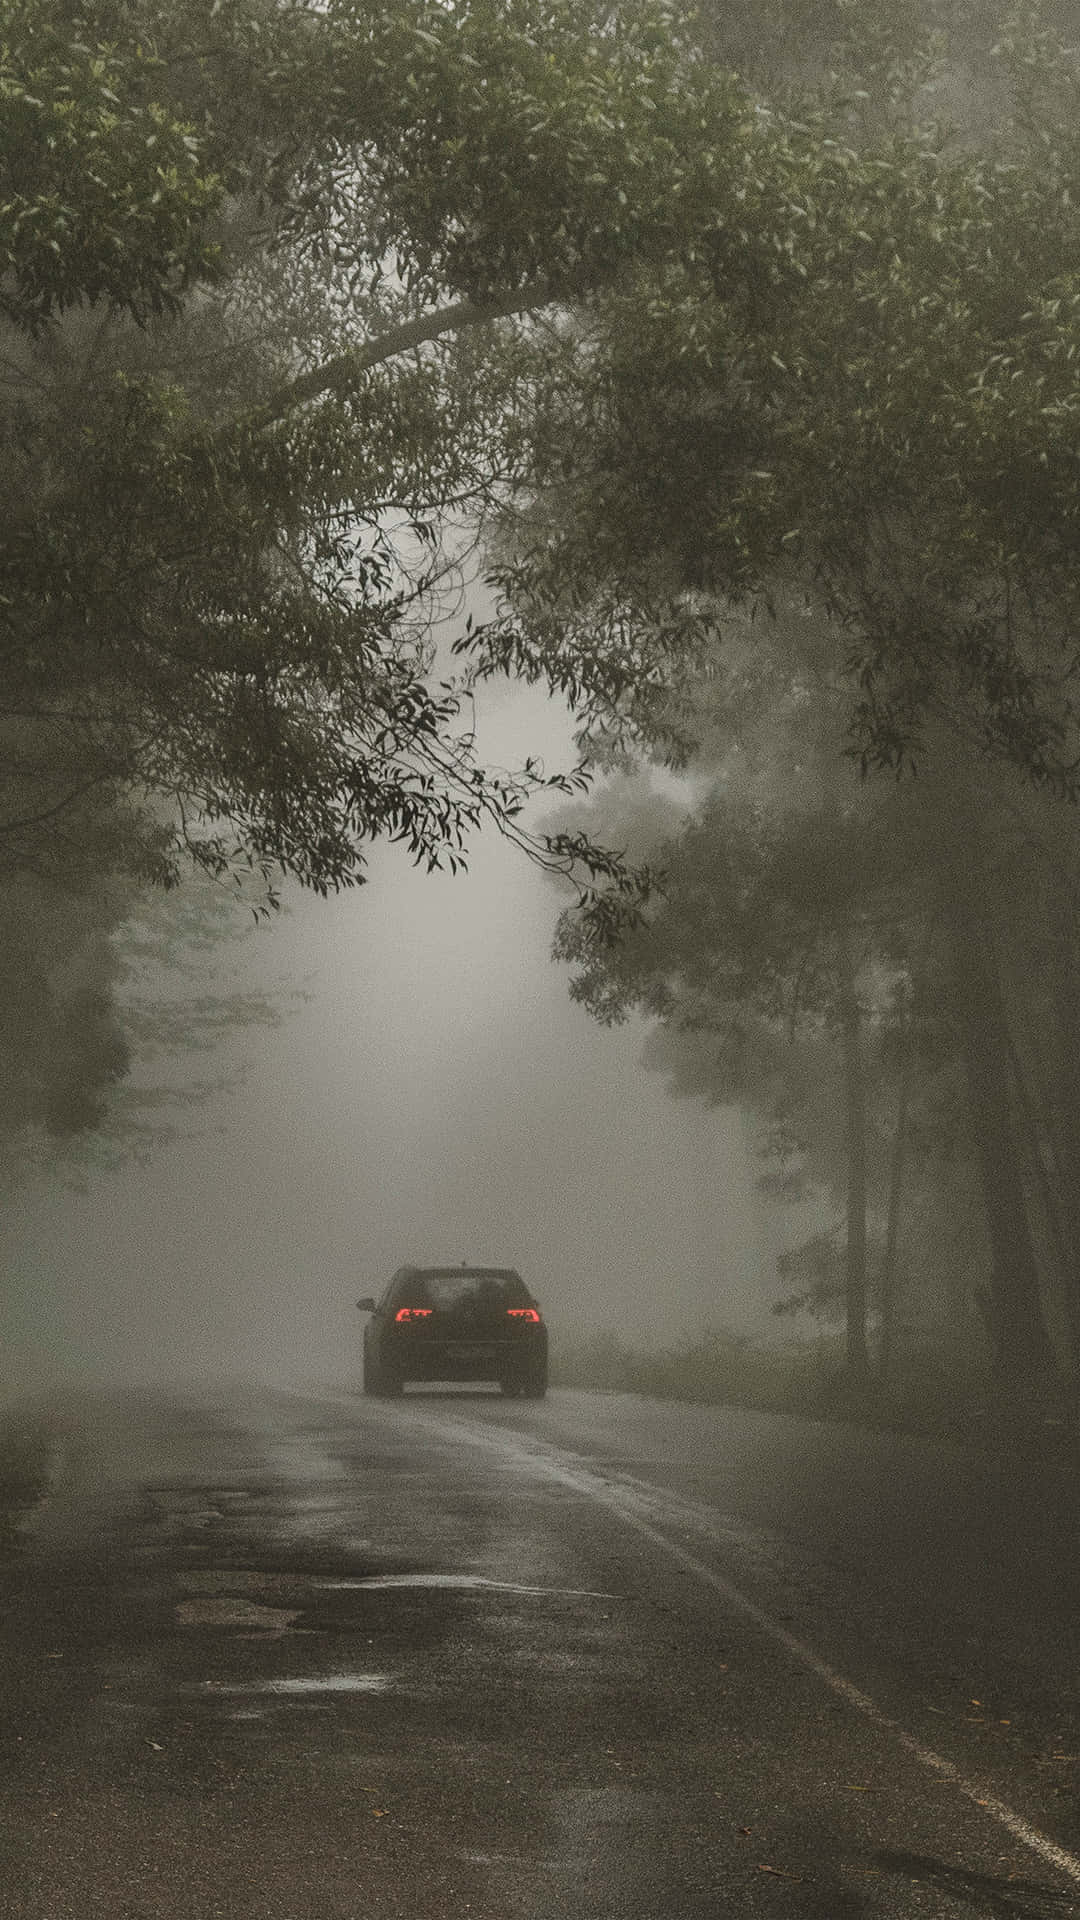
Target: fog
(430,1093)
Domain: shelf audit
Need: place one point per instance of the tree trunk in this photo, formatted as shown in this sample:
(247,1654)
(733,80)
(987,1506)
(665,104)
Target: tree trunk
(896,1182)
(1012,1307)
(857,1354)
(1056,1194)
(1067,1104)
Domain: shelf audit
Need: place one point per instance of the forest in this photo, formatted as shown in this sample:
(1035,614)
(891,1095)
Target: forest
(737,346)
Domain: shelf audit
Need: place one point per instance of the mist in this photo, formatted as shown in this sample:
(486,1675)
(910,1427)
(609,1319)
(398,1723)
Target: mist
(429,1093)
(863,1017)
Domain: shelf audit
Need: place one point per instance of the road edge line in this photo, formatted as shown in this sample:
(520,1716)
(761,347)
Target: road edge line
(591,1486)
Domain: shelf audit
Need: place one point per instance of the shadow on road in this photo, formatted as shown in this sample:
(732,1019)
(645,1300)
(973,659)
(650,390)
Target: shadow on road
(427,1390)
(985,1893)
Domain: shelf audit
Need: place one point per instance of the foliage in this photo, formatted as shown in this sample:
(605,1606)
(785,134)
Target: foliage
(801,1377)
(183,990)
(257,257)
(860,388)
(714,1365)
(106,195)
(805,931)
(774,342)
(818,1267)
(777,846)
(62,1046)
(812,343)
(856,395)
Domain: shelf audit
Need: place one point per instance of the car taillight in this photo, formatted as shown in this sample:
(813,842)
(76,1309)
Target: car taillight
(523,1313)
(412,1313)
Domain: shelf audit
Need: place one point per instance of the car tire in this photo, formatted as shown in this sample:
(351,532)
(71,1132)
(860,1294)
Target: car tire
(379,1380)
(535,1386)
(510,1386)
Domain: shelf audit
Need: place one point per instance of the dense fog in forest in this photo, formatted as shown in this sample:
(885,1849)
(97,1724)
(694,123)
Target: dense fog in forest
(738,345)
(426,1092)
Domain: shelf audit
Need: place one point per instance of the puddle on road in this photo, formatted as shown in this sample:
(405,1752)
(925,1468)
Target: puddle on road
(298,1459)
(300,1688)
(495,1859)
(459,1582)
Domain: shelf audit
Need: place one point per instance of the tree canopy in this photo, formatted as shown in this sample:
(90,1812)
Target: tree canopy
(862,388)
(253,261)
(286,290)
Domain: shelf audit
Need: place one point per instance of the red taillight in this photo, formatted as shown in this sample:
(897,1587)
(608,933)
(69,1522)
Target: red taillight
(523,1313)
(412,1313)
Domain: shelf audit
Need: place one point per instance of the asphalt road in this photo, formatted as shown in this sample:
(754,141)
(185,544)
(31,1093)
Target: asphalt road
(309,1657)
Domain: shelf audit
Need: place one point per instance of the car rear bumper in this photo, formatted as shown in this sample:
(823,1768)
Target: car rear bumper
(465,1360)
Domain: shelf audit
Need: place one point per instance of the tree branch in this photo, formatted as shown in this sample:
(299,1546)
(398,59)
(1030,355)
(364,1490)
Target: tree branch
(339,374)
(50,813)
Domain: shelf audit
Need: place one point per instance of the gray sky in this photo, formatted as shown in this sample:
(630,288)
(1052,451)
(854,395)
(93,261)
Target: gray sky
(436,1096)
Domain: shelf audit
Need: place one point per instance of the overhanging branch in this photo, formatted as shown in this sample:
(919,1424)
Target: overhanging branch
(339,374)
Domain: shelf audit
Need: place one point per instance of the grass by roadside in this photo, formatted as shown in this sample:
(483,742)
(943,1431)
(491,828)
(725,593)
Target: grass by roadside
(717,1366)
(800,1377)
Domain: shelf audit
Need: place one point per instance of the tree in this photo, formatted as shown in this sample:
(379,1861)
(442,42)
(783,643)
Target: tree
(256,261)
(104,194)
(763,934)
(112,995)
(838,957)
(859,394)
(61,1043)
(861,388)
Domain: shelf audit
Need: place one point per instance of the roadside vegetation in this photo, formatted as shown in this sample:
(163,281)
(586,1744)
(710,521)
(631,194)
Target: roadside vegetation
(833,492)
(714,1368)
(947,1397)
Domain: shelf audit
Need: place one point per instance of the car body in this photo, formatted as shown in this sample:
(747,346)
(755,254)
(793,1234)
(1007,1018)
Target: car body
(456,1323)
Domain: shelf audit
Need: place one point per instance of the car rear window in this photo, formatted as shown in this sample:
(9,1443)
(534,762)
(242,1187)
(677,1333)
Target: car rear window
(447,1291)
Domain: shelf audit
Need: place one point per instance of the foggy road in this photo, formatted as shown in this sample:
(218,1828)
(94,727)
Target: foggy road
(297,1655)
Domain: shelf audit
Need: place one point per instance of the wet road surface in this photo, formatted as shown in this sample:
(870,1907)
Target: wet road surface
(309,1657)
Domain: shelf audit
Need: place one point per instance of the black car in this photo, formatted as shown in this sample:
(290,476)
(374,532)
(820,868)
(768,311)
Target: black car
(456,1323)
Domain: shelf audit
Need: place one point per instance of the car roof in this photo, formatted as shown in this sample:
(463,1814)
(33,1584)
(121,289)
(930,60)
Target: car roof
(466,1273)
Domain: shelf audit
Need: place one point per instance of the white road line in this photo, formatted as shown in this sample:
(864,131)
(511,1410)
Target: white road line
(1056,1856)
(591,1485)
